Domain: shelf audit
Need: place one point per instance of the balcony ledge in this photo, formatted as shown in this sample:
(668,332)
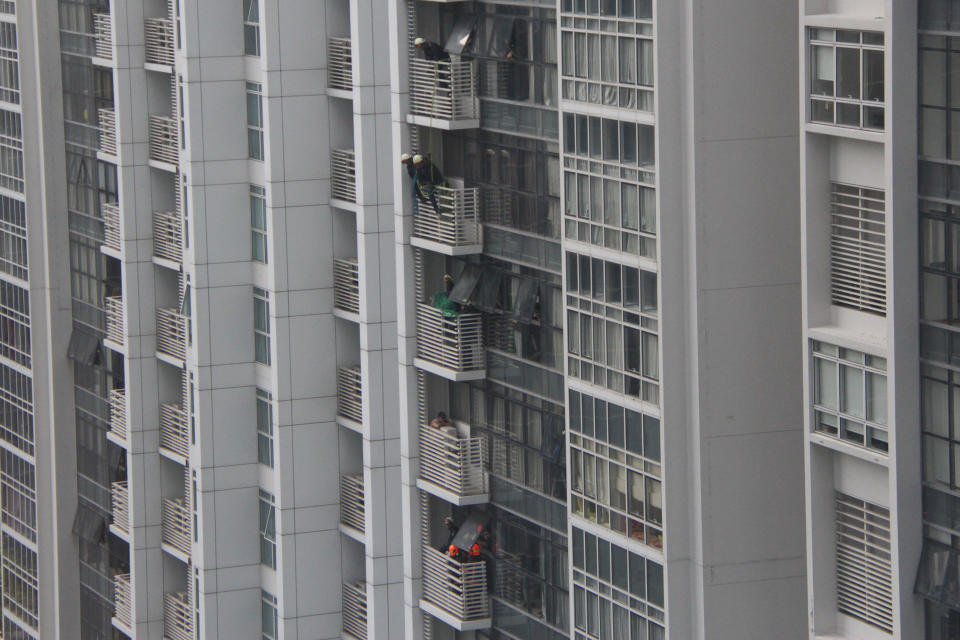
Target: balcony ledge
(103,62)
(449,374)
(456,623)
(450,496)
(121,626)
(159,68)
(340,93)
(115,439)
(349,316)
(114,346)
(343,204)
(161,165)
(168,264)
(176,553)
(445,125)
(172,455)
(171,360)
(446,249)
(120,533)
(350,532)
(347,423)
(110,251)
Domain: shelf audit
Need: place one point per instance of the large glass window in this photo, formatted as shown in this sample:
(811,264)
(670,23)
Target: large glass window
(254,121)
(251,27)
(268,530)
(11,151)
(13,237)
(846,78)
(268,616)
(264,428)
(258,223)
(15,323)
(9,64)
(261,325)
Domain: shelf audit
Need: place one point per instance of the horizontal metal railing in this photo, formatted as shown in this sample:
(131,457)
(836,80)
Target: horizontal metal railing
(452,462)
(113,310)
(175,527)
(355,610)
(168,235)
(174,429)
(459,588)
(158,40)
(110,213)
(120,503)
(350,393)
(455,342)
(352,504)
(103,35)
(178,616)
(339,64)
(118,413)
(455,221)
(107,122)
(172,333)
(122,600)
(164,139)
(343,175)
(346,284)
(444,90)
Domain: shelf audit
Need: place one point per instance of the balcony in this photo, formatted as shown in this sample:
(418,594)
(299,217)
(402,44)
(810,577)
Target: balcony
(350,398)
(451,347)
(352,506)
(174,431)
(451,466)
(455,230)
(122,602)
(346,287)
(172,336)
(110,213)
(120,502)
(158,41)
(113,309)
(175,527)
(107,122)
(178,616)
(355,611)
(168,236)
(454,591)
(103,35)
(343,176)
(339,64)
(443,94)
(164,141)
(118,416)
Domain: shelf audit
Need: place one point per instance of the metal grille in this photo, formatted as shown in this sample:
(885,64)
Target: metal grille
(355,610)
(113,308)
(178,615)
(175,525)
(352,501)
(339,64)
(103,35)
(110,212)
(172,333)
(346,284)
(443,90)
(459,588)
(452,463)
(107,119)
(158,41)
(343,175)
(118,414)
(350,393)
(452,342)
(122,600)
(456,220)
(164,139)
(120,502)
(168,235)
(174,433)
(864,587)
(858,270)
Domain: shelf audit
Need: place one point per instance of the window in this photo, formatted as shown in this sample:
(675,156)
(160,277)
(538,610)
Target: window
(616,593)
(940,425)
(18,494)
(254,121)
(9,65)
(261,325)
(15,323)
(850,396)
(13,237)
(615,468)
(846,78)
(20,588)
(11,151)
(864,590)
(268,616)
(858,265)
(264,428)
(251,27)
(268,530)
(258,223)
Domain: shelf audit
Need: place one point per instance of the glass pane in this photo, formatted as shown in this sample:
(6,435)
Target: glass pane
(848,73)
(873,75)
(877,398)
(822,71)
(825,383)
(848,114)
(851,391)
(628,61)
(821,111)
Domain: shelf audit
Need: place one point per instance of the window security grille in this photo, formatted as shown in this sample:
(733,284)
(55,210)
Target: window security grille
(858,272)
(864,589)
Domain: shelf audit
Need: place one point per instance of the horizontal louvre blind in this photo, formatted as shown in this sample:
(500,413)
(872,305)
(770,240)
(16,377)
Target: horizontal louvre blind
(864,588)
(858,270)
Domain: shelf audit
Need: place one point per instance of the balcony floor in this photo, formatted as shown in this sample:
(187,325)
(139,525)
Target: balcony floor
(446,249)
(450,496)
(445,125)
(449,374)
(453,621)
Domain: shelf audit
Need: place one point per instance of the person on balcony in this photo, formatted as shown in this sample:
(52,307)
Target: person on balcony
(452,529)
(432,51)
(442,301)
(407,161)
(440,421)
(427,178)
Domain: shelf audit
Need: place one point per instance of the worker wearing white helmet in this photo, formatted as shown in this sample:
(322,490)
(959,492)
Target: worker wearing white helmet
(407,160)
(427,179)
(431,50)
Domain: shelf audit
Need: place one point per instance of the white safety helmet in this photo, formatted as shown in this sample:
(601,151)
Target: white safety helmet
(417,159)
(418,41)
(404,157)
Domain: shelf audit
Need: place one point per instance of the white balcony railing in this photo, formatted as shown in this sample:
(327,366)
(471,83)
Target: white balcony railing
(352,501)
(444,90)
(168,235)
(343,175)
(110,213)
(453,463)
(458,588)
(172,333)
(178,616)
(175,527)
(107,121)
(174,429)
(454,222)
(118,414)
(339,64)
(122,600)
(103,35)
(113,309)
(164,139)
(346,284)
(454,343)
(350,394)
(355,610)
(158,40)
(120,502)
